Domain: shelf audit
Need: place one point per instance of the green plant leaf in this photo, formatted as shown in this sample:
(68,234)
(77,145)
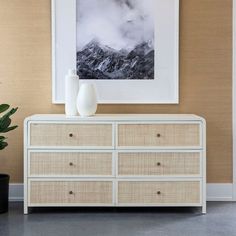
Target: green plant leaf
(3,145)
(9,129)
(5,122)
(2,138)
(11,112)
(4,107)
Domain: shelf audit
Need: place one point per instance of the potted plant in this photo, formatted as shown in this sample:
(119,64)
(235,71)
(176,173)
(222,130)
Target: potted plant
(5,122)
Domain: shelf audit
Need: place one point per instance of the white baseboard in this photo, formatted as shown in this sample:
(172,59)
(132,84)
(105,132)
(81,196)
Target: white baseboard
(16,192)
(215,192)
(220,192)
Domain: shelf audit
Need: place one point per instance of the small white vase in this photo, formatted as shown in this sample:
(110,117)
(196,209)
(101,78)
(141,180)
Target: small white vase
(87,100)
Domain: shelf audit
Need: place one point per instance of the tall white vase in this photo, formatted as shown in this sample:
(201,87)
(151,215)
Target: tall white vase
(71,92)
(87,100)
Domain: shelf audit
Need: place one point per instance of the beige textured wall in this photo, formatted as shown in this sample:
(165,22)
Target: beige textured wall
(205,75)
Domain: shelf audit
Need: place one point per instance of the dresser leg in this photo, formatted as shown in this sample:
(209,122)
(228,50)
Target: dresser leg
(204,209)
(26,210)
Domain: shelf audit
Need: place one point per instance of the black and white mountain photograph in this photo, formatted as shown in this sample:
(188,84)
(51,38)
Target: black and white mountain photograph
(115,39)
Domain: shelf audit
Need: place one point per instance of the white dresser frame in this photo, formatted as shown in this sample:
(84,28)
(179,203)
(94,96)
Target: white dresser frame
(115,120)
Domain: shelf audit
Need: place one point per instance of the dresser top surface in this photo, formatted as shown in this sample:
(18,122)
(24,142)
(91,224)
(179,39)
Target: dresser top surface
(116,117)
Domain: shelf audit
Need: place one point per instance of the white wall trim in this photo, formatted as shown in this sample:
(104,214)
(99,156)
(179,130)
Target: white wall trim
(234,99)
(16,192)
(215,192)
(220,192)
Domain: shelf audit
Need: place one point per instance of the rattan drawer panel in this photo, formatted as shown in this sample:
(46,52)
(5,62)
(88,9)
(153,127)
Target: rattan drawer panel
(67,192)
(172,192)
(145,135)
(71,134)
(70,163)
(153,163)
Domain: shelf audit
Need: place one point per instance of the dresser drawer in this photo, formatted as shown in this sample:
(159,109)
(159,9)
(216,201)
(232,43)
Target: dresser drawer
(84,135)
(152,135)
(70,164)
(158,163)
(70,192)
(154,193)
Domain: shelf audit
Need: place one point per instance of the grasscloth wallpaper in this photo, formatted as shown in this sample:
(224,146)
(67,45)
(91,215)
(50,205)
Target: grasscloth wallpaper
(205,76)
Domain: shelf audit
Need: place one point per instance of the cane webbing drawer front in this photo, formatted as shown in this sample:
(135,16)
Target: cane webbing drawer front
(71,135)
(146,135)
(158,163)
(66,192)
(115,160)
(70,163)
(159,192)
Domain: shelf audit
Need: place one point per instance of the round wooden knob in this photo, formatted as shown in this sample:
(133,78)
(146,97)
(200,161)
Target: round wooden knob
(158,192)
(71,192)
(158,163)
(158,135)
(71,164)
(71,135)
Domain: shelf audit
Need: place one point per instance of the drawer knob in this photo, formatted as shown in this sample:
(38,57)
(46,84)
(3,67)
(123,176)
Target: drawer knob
(71,192)
(71,135)
(158,192)
(158,163)
(158,135)
(71,164)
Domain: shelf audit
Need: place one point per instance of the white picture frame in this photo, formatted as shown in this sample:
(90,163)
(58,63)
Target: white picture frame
(164,89)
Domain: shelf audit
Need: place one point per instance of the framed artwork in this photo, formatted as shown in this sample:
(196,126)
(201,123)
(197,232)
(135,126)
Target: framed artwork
(128,48)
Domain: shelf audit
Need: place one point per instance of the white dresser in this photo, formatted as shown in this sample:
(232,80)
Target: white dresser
(115,160)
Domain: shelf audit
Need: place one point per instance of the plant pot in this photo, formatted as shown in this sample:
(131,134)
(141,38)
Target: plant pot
(4,192)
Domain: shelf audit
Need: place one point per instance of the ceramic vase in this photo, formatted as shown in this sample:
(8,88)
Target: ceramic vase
(71,92)
(87,100)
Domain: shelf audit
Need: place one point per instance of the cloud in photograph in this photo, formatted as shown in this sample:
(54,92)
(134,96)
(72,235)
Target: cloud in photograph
(119,24)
